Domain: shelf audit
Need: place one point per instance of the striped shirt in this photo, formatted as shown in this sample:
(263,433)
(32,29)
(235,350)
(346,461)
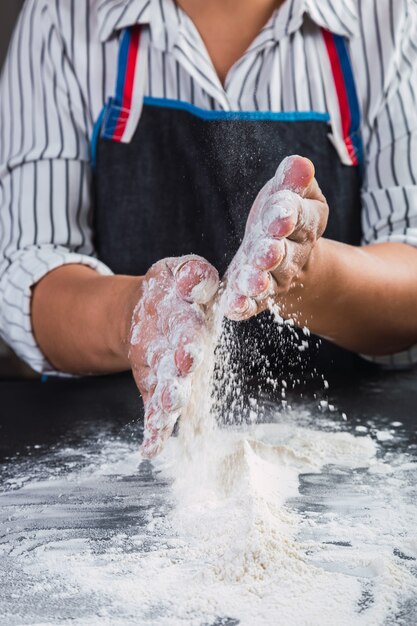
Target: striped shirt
(61,69)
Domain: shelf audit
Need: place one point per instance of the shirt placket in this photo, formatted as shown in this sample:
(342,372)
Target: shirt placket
(173,32)
(286,19)
(193,57)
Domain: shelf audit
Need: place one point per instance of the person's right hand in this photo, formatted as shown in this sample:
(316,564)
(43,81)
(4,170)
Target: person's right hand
(284,224)
(167,339)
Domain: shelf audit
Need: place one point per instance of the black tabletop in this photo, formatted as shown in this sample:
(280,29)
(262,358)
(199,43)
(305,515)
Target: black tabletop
(62,409)
(78,504)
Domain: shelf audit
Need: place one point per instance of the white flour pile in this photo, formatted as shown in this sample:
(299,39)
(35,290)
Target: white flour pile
(273,524)
(240,553)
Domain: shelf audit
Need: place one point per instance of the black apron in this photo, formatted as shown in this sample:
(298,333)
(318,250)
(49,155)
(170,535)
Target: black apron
(185,184)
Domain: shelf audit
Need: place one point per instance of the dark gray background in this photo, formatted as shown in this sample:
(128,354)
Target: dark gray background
(9,12)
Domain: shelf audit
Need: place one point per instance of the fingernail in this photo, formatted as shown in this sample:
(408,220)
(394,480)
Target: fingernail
(149,450)
(196,281)
(188,357)
(251,282)
(267,254)
(250,310)
(238,304)
(204,291)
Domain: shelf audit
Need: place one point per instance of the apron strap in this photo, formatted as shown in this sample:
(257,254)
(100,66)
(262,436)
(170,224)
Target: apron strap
(342,93)
(124,110)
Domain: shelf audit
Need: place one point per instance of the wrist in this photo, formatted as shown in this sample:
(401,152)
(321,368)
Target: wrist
(81,319)
(125,303)
(313,280)
(310,289)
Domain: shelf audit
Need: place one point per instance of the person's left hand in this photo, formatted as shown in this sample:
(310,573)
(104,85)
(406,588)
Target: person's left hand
(287,218)
(168,335)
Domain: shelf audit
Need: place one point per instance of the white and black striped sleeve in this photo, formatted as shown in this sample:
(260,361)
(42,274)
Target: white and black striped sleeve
(44,173)
(390,190)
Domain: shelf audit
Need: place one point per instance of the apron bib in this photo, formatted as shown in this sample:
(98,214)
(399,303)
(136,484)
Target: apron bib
(186,180)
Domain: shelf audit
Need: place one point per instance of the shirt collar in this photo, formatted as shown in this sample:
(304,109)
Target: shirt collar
(114,15)
(165,19)
(342,20)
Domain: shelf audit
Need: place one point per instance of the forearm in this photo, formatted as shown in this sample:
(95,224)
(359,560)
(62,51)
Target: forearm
(362,298)
(81,320)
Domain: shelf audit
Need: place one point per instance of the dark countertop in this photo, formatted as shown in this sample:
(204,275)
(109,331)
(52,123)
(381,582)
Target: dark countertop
(64,410)
(57,502)
(32,411)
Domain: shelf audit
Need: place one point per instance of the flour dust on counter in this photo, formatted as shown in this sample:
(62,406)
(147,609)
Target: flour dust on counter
(283,522)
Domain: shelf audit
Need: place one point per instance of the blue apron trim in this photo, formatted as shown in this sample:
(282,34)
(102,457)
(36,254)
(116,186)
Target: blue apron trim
(286,116)
(95,136)
(122,65)
(110,115)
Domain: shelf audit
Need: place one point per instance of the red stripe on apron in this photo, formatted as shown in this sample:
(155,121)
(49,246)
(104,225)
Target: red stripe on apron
(132,60)
(342,93)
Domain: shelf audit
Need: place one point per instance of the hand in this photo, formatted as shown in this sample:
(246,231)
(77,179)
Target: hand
(288,216)
(167,338)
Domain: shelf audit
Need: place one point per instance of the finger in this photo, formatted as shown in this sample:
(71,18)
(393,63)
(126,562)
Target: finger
(155,349)
(266,253)
(256,209)
(151,445)
(251,282)
(157,430)
(187,338)
(288,215)
(174,395)
(157,286)
(170,396)
(145,380)
(240,308)
(281,214)
(154,443)
(312,222)
(184,319)
(196,280)
(166,368)
(188,356)
(296,174)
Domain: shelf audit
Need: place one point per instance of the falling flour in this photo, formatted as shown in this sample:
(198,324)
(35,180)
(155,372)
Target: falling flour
(241,550)
(241,547)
